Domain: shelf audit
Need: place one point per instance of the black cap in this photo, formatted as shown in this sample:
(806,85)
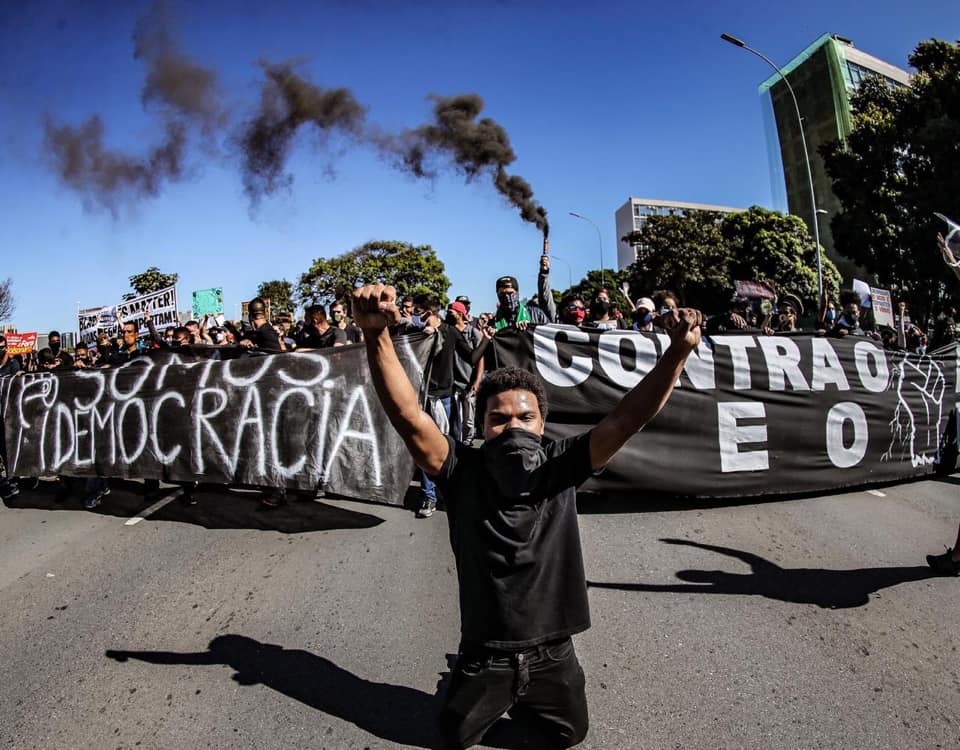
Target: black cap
(511,280)
(464,299)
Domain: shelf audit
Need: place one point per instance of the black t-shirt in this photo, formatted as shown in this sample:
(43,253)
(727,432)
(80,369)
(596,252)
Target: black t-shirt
(266,339)
(311,338)
(441,370)
(519,563)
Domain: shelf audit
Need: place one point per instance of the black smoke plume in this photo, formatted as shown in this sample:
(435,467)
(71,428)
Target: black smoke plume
(288,102)
(173,80)
(186,94)
(475,145)
(103,176)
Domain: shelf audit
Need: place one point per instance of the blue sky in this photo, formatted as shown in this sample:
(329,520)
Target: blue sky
(601,102)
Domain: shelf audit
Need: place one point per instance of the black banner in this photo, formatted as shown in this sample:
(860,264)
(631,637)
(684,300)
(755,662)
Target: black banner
(752,414)
(303,420)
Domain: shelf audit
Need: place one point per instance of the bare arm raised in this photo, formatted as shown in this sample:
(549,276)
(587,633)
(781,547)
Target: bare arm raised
(374,309)
(648,397)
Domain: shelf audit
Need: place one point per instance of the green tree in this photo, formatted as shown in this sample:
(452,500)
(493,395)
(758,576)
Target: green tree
(899,165)
(685,254)
(280,294)
(700,255)
(150,281)
(770,246)
(412,269)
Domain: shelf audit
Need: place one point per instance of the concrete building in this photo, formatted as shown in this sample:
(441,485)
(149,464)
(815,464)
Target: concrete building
(823,77)
(633,214)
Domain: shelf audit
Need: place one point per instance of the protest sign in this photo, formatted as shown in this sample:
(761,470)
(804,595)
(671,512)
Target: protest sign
(207,302)
(754,290)
(882,307)
(162,306)
(96,320)
(20,343)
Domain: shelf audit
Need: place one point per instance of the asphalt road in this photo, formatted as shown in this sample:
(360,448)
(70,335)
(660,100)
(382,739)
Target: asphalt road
(806,623)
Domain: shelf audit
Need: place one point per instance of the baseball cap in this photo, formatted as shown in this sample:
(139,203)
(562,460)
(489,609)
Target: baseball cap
(646,303)
(459,307)
(464,299)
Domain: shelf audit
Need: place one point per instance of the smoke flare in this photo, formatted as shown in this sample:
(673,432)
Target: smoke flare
(173,80)
(102,175)
(288,102)
(475,146)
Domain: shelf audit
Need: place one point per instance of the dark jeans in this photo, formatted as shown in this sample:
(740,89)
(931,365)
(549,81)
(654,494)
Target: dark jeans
(545,683)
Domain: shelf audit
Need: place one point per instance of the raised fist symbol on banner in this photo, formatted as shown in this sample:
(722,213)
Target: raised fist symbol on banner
(915,427)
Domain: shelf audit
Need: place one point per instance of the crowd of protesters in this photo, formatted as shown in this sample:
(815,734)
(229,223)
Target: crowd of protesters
(464,354)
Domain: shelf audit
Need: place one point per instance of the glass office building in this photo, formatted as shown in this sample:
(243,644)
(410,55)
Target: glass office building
(823,78)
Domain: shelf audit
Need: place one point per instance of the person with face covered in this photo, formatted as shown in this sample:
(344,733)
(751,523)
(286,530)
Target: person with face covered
(573,311)
(61,360)
(850,323)
(511,508)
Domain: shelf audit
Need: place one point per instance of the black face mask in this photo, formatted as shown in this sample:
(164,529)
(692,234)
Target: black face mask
(509,303)
(599,308)
(512,459)
(55,347)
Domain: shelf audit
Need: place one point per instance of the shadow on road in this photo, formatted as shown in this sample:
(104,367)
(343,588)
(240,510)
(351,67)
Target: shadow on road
(218,508)
(829,589)
(403,715)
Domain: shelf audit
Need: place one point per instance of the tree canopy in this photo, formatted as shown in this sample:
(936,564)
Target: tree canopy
(280,294)
(149,281)
(412,269)
(700,255)
(899,165)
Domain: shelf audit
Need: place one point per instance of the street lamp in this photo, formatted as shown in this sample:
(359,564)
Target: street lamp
(599,237)
(803,141)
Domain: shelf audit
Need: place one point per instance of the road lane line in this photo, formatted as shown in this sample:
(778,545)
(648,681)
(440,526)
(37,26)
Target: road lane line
(155,507)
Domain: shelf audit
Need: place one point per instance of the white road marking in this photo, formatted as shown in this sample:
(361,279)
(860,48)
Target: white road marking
(155,507)
(878,493)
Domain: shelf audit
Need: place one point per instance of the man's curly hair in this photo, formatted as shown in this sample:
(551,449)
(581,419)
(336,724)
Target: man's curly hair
(510,379)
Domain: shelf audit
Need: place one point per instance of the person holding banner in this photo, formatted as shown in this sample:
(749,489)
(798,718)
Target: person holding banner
(948,563)
(513,526)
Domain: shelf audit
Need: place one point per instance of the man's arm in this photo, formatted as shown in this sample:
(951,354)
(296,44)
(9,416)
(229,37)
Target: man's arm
(648,397)
(947,254)
(375,309)
(544,293)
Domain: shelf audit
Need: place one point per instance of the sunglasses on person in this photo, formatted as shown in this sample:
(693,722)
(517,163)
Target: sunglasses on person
(576,307)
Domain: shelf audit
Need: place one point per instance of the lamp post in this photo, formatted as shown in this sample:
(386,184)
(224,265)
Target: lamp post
(803,141)
(599,237)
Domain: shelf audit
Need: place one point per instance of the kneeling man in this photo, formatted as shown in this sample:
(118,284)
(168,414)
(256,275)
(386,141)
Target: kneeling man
(511,506)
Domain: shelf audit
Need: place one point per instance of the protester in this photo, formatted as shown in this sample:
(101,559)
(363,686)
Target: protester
(261,336)
(513,527)
(786,318)
(544,292)
(643,314)
(735,319)
(850,324)
(465,380)
(354,335)
(64,359)
(827,315)
(573,311)
(8,365)
(81,357)
(948,563)
(600,314)
(511,312)
(318,333)
(197,333)
(439,387)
